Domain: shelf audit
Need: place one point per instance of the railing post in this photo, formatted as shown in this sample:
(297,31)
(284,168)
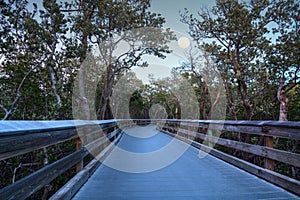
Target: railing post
(79,165)
(114,129)
(176,127)
(269,163)
(105,132)
(191,129)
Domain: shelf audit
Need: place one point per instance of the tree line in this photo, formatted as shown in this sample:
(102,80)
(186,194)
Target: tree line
(46,49)
(46,45)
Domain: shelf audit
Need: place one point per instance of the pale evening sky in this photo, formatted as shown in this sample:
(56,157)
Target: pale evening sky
(169,9)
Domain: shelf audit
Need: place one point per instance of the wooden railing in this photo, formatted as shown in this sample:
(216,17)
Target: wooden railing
(191,131)
(17,137)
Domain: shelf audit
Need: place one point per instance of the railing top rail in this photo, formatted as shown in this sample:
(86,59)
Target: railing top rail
(288,124)
(10,127)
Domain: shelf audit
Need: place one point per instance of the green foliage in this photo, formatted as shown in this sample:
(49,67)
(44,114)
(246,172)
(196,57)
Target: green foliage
(251,52)
(42,47)
(294,105)
(138,106)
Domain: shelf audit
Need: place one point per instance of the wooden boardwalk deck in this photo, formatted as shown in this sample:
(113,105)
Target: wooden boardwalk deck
(189,177)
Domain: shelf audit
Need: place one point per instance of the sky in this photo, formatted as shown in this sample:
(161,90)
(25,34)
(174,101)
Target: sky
(170,9)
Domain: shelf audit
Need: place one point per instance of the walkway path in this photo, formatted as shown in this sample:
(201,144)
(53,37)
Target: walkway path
(189,177)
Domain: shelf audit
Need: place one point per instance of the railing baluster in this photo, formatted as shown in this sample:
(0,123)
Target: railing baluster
(79,165)
(269,163)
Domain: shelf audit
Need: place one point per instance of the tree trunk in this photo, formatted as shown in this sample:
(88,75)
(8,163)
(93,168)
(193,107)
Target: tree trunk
(104,98)
(48,187)
(53,86)
(103,111)
(84,105)
(52,61)
(283,100)
(177,108)
(283,110)
(214,106)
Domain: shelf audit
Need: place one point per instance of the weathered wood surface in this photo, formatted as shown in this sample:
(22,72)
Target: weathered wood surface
(271,176)
(28,140)
(290,130)
(15,141)
(269,163)
(32,183)
(11,127)
(13,145)
(267,152)
(70,188)
(19,137)
(189,177)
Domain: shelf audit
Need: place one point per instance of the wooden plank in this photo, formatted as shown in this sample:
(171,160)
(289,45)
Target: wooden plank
(32,183)
(290,130)
(285,182)
(13,145)
(79,165)
(70,188)
(22,142)
(35,181)
(269,163)
(17,144)
(267,152)
(283,132)
(96,146)
(271,176)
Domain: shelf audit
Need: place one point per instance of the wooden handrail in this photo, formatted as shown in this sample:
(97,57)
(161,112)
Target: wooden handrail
(290,130)
(188,131)
(70,188)
(14,141)
(268,129)
(267,152)
(17,137)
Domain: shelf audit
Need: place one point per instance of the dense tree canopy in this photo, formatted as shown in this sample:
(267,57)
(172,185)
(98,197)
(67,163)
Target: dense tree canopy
(255,46)
(44,47)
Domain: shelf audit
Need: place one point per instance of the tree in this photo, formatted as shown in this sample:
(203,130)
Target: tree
(54,24)
(33,64)
(284,55)
(46,48)
(208,85)
(294,106)
(160,93)
(138,105)
(237,47)
(257,53)
(21,56)
(106,24)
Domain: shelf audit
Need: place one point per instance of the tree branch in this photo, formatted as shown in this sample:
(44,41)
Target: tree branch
(9,112)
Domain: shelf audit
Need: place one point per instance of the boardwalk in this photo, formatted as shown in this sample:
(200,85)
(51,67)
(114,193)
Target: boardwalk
(189,177)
